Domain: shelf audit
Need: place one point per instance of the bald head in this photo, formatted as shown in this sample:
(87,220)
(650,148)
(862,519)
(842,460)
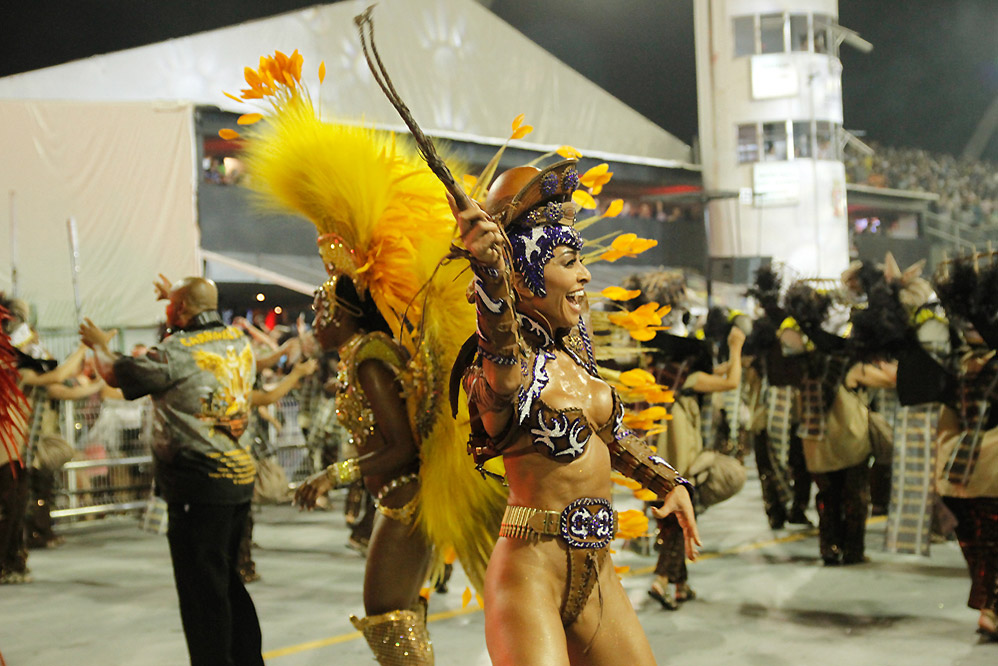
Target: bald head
(189,298)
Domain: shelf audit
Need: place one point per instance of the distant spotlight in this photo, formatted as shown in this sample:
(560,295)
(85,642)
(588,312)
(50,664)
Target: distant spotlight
(278,309)
(260,297)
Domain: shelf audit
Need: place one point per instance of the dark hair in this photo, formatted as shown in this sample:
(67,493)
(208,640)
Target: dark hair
(370,319)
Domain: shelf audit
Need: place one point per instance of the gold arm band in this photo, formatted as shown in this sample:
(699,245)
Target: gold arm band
(343,473)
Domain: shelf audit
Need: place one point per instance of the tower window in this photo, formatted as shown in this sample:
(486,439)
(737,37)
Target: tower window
(748,143)
(774,141)
(802,139)
(771,32)
(799,40)
(827,145)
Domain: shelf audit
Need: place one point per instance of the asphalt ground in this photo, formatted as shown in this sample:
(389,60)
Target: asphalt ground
(106,597)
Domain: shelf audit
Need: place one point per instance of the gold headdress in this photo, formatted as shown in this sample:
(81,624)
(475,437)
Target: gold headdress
(383,221)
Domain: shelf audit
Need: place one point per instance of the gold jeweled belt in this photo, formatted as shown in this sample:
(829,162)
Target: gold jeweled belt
(588,522)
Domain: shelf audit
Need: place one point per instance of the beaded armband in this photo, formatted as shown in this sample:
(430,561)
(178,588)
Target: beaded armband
(634,459)
(343,473)
(498,335)
(394,485)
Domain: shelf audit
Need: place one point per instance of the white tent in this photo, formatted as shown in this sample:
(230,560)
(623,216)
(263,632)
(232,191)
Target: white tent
(464,73)
(125,172)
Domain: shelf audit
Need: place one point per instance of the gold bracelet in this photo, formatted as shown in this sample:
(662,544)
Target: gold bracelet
(343,473)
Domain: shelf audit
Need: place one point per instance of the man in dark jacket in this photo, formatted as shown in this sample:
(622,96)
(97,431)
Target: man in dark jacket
(200,378)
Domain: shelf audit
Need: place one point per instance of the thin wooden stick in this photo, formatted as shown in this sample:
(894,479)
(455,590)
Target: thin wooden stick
(427,150)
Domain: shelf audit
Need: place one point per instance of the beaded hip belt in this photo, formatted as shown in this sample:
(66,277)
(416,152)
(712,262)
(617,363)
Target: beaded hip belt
(588,522)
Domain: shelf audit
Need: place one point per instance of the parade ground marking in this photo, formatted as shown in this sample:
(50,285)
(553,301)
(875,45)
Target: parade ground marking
(472,608)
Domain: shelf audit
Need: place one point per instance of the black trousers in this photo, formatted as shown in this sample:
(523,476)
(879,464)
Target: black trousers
(776,511)
(13,502)
(977,529)
(843,502)
(801,477)
(39,516)
(219,619)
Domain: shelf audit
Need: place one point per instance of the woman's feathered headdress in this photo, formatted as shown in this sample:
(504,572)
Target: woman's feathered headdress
(383,221)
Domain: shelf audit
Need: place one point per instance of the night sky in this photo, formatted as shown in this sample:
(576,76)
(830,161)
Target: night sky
(929,80)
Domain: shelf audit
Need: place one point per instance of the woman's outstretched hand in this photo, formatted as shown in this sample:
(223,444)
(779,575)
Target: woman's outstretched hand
(678,502)
(316,486)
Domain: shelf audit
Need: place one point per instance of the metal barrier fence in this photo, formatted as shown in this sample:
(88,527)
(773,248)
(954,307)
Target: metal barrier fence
(112,470)
(289,444)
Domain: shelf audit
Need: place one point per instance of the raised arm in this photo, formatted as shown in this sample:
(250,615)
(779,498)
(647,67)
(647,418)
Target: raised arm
(285,386)
(732,377)
(97,339)
(255,333)
(65,370)
(498,335)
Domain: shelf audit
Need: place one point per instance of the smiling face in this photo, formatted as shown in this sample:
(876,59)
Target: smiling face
(565,278)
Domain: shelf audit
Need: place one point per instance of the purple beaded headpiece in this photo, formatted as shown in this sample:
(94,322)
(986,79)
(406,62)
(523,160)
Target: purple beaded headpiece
(533,248)
(538,216)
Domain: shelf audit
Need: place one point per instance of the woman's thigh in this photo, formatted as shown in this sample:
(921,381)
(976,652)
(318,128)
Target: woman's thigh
(397,562)
(524,587)
(608,630)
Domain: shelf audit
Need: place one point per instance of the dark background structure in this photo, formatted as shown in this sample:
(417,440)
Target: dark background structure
(930,79)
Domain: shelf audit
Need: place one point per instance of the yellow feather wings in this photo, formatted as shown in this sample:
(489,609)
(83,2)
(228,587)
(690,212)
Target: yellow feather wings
(373,191)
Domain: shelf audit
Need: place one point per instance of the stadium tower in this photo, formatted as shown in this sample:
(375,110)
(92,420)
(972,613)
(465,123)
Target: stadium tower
(769,90)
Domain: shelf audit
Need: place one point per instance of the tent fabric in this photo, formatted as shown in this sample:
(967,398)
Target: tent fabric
(126,173)
(463,72)
(270,268)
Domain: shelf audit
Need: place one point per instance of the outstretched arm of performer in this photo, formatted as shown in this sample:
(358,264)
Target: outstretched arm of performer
(732,377)
(678,502)
(636,460)
(399,453)
(97,339)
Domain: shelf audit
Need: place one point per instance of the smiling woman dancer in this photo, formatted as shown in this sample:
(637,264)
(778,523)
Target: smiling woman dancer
(551,593)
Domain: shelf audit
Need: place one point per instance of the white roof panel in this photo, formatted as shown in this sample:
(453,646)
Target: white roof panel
(462,71)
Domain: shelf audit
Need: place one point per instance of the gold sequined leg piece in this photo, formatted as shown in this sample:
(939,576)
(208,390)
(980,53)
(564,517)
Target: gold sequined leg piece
(398,638)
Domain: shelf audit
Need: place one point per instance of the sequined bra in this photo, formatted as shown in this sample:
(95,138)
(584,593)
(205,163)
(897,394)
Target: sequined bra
(558,434)
(352,406)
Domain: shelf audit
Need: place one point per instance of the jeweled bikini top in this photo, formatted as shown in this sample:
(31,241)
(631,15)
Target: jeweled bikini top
(559,434)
